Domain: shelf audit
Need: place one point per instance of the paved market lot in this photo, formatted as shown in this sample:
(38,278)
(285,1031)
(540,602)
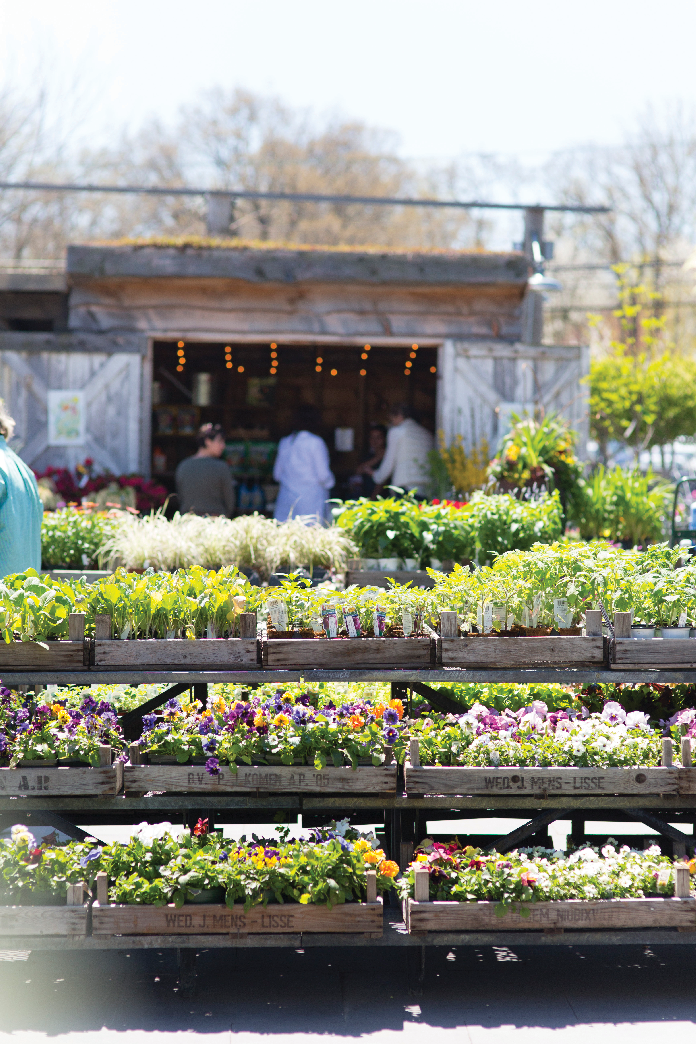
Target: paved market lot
(618,994)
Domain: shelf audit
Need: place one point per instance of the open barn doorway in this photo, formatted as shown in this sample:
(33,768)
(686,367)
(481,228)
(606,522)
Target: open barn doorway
(254,389)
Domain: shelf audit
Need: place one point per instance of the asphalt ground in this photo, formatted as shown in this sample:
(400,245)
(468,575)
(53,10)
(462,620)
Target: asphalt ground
(615,994)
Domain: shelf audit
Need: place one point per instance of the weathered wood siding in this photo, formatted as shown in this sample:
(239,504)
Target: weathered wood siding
(117,405)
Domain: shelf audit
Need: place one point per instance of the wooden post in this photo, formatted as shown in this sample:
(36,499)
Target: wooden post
(388,754)
(682,882)
(667,752)
(104,755)
(448,625)
(686,752)
(414,753)
(247,625)
(76,627)
(102,888)
(593,623)
(622,625)
(134,754)
(76,894)
(102,627)
(405,854)
(421,887)
(371,876)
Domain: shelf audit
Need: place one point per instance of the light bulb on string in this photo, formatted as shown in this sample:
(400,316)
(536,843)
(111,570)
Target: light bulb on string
(433,369)
(363,373)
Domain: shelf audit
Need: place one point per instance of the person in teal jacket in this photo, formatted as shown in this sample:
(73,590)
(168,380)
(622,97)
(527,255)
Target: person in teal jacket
(21,509)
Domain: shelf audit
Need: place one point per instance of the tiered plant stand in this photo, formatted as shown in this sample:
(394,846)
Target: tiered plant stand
(657,798)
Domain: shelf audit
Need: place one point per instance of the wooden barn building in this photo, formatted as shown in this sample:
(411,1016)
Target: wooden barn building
(152,340)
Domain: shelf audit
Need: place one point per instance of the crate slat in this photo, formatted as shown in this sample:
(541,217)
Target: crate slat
(219,919)
(637,653)
(61,782)
(43,920)
(177,652)
(184,779)
(61,655)
(522,652)
(436,779)
(573,914)
(340,652)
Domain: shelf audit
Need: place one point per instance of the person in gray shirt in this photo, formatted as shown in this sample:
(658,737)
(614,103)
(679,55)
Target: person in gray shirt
(204,482)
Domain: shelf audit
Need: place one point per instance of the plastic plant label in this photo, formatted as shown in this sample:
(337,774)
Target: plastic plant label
(407,622)
(379,623)
(526,617)
(316,623)
(500,615)
(352,623)
(488,618)
(663,878)
(536,609)
(330,620)
(562,615)
(125,632)
(682,620)
(278,612)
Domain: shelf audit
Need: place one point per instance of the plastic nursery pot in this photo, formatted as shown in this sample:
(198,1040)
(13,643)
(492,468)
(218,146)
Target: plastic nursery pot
(371,564)
(676,632)
(435,563)
(389,565)
(205,895)
(410,564)
(642,631)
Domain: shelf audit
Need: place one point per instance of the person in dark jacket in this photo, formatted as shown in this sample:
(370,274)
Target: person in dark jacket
(204,482)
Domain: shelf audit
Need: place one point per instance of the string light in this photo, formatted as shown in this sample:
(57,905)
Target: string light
(409,364)
(363,373)
(228,357)
(318,369)
(414,347)
(412,355)
(364,355)
(334,373)
(181,357)
(367,348)
(274,359)
(240,369)
(407,373)
(180,344)
(319,360)
(433,369)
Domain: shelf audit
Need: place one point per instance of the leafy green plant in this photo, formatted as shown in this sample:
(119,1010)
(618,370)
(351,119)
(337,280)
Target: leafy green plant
(538,452)
(623,504)
(72,537)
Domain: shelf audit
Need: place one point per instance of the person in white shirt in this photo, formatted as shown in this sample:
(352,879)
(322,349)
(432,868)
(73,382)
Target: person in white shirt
(405,464)
(303,471)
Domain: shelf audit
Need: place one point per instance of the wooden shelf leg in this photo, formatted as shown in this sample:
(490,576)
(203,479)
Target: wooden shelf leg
(186,961)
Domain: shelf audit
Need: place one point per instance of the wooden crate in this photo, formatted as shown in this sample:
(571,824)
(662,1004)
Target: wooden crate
(61,782)
(220,653)
(30,656)
(436,779)
(348,652)
(522,652)
(377,578)
(185,779)
(43,920)
(572,914)
(639,653)
(196,919)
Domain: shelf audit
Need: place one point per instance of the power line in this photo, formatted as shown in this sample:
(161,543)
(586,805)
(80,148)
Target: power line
(295,197)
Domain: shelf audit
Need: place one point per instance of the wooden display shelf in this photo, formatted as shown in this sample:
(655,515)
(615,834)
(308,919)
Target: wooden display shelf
(660,653)
(579,782)
(185,779)
(37,782)
(557,651)
(276,919)
(223,653)
(348,652)
(573,914)
(53,655)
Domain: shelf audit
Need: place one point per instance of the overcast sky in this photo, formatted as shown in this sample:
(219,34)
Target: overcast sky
(448,77)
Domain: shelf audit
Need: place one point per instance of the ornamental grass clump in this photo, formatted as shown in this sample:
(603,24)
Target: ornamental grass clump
(538,875)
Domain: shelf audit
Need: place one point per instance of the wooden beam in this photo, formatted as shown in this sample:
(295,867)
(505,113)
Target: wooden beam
(132,722)
(515,837)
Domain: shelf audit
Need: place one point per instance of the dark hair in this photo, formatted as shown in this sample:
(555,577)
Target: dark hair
(307,418)
(381,428)
(401,408)
(208,432)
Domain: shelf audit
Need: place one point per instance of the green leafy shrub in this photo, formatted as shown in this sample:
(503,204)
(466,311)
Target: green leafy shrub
(624,505)
(72,538)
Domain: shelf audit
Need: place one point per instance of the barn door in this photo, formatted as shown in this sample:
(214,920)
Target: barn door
(112,389)
(482,383)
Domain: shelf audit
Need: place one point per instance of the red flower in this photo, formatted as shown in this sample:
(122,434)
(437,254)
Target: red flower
(200,828)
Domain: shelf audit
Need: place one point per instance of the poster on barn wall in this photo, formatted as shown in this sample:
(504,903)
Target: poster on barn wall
(66,417)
